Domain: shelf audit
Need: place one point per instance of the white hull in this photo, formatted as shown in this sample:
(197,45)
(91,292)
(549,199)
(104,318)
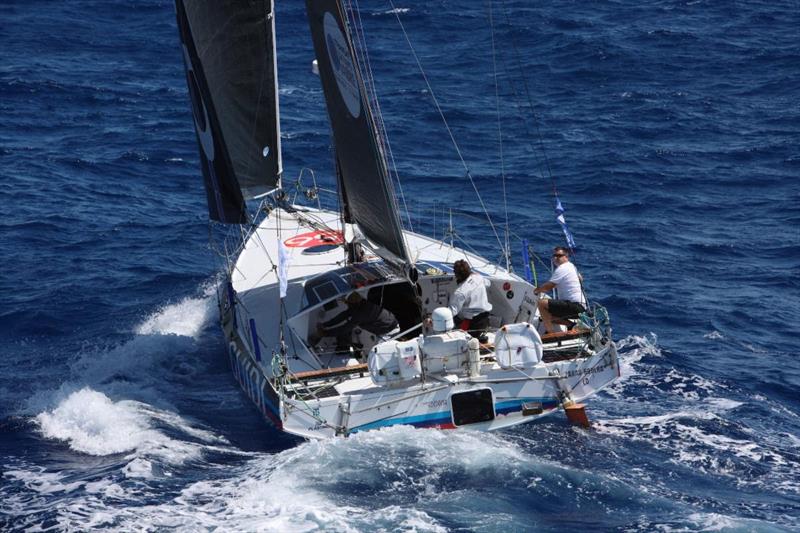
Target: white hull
(308,393)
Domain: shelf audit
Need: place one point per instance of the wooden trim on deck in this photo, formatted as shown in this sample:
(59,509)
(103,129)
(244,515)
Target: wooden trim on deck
(547,338)
(564,335)
(329,372)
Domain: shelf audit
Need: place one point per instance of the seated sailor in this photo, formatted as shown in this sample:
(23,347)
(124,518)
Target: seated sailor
(360,313)
(469,304)
(570,301)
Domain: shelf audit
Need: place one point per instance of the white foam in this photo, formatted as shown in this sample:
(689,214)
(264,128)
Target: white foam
(404,519)
(295,490)
(708,410)
(723,404)
(697,430)
(397,10)
(95,425)
(180,423)
(92,423)
(404,479)
(631,350)
(640,345)
(307,488)
(689,443)
(755,349)
(720,522)
(714,335)
(138,468)
(166,339)
(186,318)
(42,482)
(691,387)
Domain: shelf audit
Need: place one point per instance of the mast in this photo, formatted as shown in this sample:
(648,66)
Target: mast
(278,172)
(353,249)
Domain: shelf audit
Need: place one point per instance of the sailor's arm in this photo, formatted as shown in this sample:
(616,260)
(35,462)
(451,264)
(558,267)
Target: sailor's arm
(342,317)
(544,287)
(457,302)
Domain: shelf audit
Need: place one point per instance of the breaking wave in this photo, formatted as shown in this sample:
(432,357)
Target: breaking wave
(163,348)
(93,424)
(186,318)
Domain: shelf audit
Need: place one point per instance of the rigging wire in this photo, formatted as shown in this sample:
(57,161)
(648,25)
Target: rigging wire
(507,249)
(372,94)
(444,120)
(567,236)
(383,134)
(527,93)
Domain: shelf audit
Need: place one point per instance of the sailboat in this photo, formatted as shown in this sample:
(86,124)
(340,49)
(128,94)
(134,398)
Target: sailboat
(294,267)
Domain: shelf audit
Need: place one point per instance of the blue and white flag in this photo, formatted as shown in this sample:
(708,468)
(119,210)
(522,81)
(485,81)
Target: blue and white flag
(563,222)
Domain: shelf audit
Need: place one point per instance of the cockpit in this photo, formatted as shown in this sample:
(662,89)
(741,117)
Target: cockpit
(324,298)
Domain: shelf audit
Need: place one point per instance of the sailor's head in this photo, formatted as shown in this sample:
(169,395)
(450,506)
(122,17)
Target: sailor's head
(353,299)
(560,255)
(461,270)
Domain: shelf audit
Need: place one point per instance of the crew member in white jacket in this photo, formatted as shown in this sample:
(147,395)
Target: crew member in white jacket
(469,304)
(569,301)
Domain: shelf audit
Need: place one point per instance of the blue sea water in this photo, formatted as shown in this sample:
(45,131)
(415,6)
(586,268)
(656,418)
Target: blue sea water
(672,131)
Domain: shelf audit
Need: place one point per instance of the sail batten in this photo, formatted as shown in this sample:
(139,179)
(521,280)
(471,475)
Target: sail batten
(231,69)
(363,171)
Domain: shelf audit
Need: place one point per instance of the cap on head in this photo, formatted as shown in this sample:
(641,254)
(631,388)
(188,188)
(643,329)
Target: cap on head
(461,270)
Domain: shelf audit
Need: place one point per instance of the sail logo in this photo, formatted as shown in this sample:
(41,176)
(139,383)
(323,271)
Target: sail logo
(199,112)
(342,65)
(314,238)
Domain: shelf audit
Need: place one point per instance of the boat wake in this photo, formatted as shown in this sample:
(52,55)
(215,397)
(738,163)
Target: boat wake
(703,428)
(114,400)
(166,346)
(156,468)
(394,478)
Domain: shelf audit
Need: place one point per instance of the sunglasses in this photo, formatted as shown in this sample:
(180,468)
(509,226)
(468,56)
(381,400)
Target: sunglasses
(559,255)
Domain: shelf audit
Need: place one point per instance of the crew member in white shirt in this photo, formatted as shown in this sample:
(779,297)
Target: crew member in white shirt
(569,301)
(469,304)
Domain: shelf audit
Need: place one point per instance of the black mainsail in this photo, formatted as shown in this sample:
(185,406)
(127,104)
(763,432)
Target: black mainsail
(363,171)
(231,71)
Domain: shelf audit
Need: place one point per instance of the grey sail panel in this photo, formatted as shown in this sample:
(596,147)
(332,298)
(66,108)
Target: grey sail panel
(229,51)
(225,202)
(363,170)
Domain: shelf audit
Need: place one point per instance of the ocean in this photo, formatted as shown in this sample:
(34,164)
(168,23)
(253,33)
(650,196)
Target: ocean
(671,133)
